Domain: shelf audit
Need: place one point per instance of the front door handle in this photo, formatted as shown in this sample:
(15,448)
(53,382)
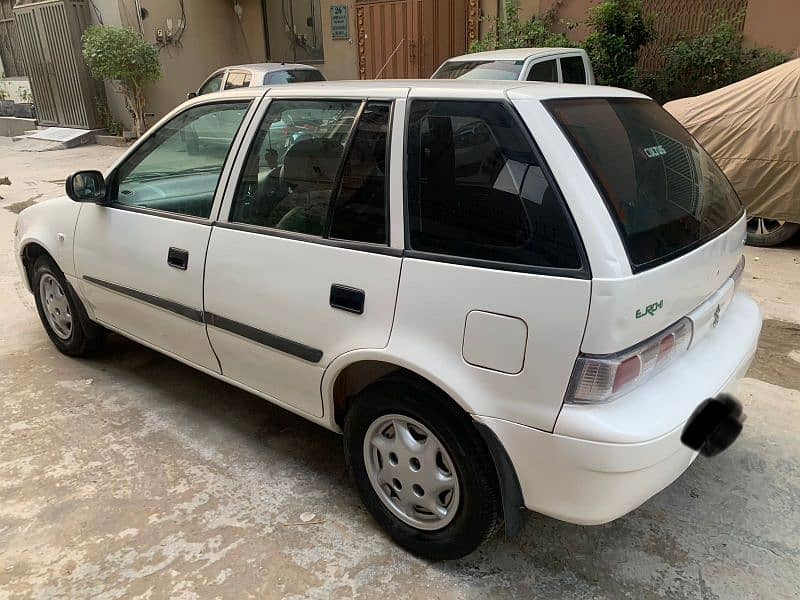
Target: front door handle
(347,298)
(178,258)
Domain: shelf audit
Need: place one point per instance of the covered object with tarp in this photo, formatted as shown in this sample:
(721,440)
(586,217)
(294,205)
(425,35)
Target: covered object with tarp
(752,129)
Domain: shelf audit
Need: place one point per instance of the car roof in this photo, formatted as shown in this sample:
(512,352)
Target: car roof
(270,67)
(512,54)
(473,89)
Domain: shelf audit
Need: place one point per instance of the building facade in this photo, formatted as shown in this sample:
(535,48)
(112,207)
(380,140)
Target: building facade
(351,39)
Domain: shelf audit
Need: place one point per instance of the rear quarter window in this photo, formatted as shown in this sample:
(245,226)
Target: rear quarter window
(665,193)
(477,190)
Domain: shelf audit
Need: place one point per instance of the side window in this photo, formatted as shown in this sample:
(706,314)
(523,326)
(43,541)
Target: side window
(572,69)
(544,71)
(237,79)
(212,85)
(291,169)
(476,190)
(358,212)
(177,168)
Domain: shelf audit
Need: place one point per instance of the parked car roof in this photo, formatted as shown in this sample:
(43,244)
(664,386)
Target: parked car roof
(442,88)
(511,54)
(270,67)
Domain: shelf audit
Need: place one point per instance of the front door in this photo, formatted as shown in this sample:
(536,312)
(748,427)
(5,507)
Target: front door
(302,270)
(140,257)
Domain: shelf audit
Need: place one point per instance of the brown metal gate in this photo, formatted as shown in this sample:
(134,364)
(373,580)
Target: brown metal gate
(50,38)
(411,38)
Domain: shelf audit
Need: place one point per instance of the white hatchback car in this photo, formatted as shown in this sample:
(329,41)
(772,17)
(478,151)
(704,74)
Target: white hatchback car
(506,296)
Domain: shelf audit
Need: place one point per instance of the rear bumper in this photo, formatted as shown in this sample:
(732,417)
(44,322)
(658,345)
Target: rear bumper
(603,461)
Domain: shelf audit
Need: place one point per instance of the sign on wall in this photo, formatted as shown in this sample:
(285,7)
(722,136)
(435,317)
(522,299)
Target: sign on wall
(340,22)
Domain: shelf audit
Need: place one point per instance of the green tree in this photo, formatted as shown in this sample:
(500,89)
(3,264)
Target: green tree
(713,60)
(121,55)
(512,32)
(620,31)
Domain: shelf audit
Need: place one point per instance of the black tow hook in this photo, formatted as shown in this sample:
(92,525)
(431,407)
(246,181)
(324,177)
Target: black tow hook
(714,425)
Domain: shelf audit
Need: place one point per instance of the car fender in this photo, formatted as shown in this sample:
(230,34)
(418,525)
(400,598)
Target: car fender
(51,225)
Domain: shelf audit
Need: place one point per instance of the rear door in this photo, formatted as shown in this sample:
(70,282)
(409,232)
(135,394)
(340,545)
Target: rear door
(299,268)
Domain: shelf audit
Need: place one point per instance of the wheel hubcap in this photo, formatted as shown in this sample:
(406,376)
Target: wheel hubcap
(411,472)
(761,226)
(56,306)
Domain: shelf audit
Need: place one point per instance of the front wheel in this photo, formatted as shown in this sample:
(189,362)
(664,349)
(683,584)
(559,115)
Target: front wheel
(421,469)
(60,311)
(769,232)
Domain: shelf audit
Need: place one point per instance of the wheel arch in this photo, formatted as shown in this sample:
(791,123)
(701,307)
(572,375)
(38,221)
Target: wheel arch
(352,372)
(29,252)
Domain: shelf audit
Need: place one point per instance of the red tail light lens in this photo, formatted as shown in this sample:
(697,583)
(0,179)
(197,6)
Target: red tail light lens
(603,378)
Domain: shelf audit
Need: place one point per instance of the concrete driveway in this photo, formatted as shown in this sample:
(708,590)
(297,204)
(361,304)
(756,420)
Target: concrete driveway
(131,475)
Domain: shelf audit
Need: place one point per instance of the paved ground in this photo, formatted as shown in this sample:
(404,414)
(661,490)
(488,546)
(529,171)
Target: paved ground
(132,475)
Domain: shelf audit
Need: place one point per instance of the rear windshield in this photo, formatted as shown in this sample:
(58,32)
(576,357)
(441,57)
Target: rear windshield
(665,192)
(293,76)
(480,69)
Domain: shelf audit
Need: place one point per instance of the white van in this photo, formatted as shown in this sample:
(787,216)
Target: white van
(554,65)
(505,295)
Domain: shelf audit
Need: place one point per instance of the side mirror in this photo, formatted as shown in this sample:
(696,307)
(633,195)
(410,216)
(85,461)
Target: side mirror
(86,186)
(191,95)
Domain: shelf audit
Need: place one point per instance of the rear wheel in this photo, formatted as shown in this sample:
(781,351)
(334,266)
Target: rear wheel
(421,469)
(60,311)
(769,232)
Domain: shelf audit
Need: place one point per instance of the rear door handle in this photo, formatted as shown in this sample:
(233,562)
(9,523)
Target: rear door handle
(178,258)
(347,298)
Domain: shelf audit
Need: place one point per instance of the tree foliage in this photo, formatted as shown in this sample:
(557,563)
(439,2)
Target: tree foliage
(121,55)
(700,64)
(511,31)
(620,31)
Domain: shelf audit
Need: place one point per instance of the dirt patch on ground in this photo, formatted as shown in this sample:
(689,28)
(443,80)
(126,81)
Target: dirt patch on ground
(18,207)
(777,359)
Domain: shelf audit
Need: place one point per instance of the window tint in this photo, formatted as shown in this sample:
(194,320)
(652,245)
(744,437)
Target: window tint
(508,70)
(293,76)
(212,85)
(476,189)
(237,79)
(544,71)
(177,168)
(572,69)
(359,210)
(665,192)
(291,168)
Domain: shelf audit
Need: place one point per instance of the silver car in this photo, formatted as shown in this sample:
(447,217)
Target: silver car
(237,76)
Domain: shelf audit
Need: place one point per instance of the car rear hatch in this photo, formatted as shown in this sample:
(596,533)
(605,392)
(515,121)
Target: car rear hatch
(678,217)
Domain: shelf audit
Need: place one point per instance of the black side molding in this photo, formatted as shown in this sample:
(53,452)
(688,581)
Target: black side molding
(181,309)
(265,338)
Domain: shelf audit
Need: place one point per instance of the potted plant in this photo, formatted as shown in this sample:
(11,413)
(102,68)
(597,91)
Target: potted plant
(121,55)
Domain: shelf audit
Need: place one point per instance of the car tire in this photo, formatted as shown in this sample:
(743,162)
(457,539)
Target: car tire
(769,232)
(472,506)
(61,312)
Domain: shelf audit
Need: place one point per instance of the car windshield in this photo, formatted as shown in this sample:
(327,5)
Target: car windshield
(666,194)
(480,69)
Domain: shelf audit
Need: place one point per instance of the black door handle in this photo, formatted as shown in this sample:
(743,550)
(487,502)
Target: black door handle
(347,298)
(178,258)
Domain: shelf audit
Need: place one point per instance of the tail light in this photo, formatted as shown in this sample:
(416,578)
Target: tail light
(603,378)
